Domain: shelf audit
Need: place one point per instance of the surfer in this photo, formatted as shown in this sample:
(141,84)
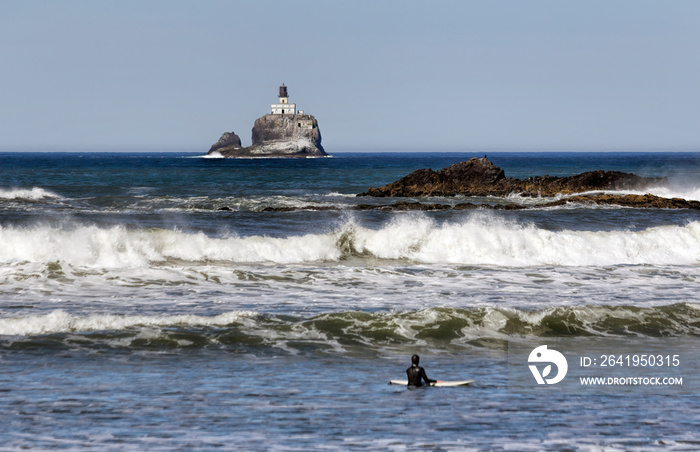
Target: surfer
(416,374)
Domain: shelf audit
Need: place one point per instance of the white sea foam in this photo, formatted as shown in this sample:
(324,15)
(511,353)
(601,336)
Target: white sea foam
(335,194)
(688,193)
(478,240)
(213,155)
(62,322)
(243,203)
(31,194)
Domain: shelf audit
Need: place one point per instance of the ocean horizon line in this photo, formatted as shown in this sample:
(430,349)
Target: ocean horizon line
(349,150)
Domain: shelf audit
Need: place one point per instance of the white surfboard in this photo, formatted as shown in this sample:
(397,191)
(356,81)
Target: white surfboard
(439,383)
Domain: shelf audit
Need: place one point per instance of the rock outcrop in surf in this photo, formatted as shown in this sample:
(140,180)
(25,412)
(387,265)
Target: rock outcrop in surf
(647,201)
(228,140)
(480,177)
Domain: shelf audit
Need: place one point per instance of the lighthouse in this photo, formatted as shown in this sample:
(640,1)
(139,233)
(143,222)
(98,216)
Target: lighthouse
(283,107)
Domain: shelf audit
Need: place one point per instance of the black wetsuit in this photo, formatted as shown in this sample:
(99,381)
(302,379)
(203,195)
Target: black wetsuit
(416,375)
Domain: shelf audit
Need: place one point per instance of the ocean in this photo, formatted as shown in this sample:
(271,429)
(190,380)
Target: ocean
(165,301)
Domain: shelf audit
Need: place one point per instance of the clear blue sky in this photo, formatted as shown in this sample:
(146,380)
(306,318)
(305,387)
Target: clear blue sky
(401,75)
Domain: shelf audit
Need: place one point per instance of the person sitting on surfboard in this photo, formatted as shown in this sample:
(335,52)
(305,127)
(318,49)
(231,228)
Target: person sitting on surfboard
(416,374)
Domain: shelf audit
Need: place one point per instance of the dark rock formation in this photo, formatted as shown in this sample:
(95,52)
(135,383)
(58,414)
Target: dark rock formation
(480,177)
(227,140)
(647,201)
(279,136)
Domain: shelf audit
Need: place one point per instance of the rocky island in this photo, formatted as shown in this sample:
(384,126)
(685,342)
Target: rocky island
(480,177)
(282,133)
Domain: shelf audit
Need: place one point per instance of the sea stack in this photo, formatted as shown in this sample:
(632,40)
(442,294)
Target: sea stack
(285,132)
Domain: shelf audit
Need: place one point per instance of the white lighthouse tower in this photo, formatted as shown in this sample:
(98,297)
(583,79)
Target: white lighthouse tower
(284,107)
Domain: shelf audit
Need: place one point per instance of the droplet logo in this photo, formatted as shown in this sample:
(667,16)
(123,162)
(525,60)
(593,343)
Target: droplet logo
(542,355)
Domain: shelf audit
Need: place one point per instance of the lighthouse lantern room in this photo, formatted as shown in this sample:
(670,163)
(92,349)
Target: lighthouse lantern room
(283,107)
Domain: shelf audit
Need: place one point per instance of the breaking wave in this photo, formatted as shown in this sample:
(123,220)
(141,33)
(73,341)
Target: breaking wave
(26,194)
(438,327)
(688,193)
(478,240)
(115,247)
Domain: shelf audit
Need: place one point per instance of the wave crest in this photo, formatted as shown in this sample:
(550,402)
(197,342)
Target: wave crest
(27,194)
(479,240)
(436,327)
(486,240)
